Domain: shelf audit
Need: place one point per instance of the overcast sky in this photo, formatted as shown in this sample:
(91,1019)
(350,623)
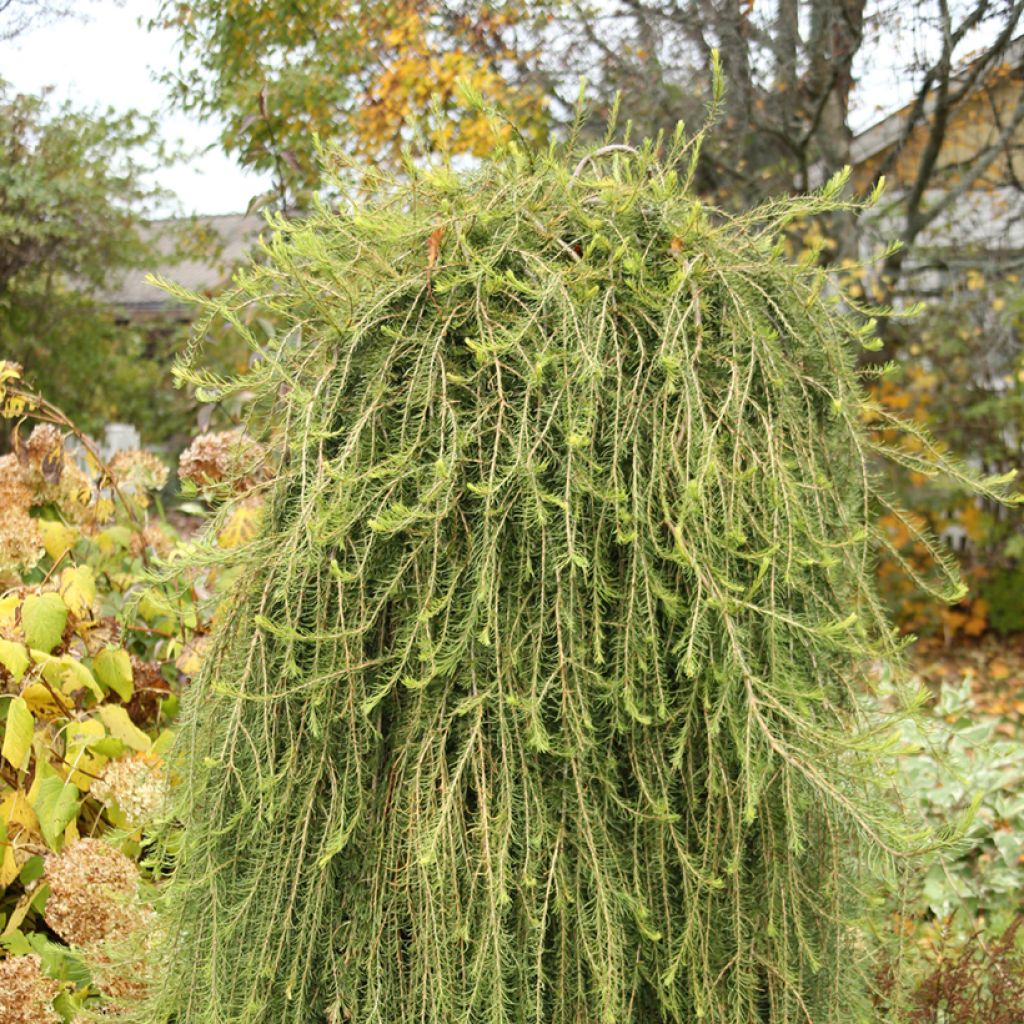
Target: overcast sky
(110,59)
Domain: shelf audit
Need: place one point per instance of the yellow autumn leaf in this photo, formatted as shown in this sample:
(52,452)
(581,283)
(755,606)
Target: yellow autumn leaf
(18,824)
(18,730)
(241,527)
(66,673)
(192,655)
(16,810)
(9,616)
(14,658)
(57,538)
(41,701)
(84,764)
(163,743)
(112,539)
(78,588)
(75,676)
(8,865)
(121,727)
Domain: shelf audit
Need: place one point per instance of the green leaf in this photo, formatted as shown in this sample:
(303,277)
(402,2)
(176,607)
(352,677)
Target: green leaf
(32,871)
(56,806)
(43,618)
(110,746)
(121,727)
(154,606)
(18,730)
(69,675)
(14,658)
(113,667)
(59,962)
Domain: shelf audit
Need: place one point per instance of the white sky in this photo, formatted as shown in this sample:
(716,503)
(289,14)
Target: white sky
(109,59)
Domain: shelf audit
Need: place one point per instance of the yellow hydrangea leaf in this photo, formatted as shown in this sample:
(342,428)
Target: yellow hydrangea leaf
(78,588)
(112,539)
(18,730)
(67,674)
(83,763)
(57,538)
(41,701)
(14,658)
(241,527)
(192,655)
(8,865)
(16,810)
(9,616)
(121,727)
(163,743)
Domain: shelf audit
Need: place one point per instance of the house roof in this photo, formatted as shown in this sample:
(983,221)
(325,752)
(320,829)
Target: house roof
(232,235)
(879,136)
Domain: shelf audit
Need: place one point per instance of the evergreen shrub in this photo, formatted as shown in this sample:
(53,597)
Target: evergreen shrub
(539,696)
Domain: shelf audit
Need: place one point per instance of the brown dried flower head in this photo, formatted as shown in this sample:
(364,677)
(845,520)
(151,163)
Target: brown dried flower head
(138,472)
(229,456)
(93,893)
(21,544)
(45,450)
(26,995)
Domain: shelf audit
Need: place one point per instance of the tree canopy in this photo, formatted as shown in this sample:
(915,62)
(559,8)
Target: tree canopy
(74,193)
(280,74)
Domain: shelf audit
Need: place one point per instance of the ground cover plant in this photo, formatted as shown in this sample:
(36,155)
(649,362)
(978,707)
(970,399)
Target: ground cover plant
(952,933)
(541,695)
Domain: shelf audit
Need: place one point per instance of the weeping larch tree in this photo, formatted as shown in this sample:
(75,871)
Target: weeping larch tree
(540,696)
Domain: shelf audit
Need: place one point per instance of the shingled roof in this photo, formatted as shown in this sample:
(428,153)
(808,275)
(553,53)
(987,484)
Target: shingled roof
(232,235)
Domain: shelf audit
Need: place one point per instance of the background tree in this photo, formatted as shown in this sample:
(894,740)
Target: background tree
(281,73)
(16,16)
(74,195)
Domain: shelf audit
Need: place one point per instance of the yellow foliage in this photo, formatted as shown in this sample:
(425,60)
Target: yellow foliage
(57,538)
(241,527)
(78,589)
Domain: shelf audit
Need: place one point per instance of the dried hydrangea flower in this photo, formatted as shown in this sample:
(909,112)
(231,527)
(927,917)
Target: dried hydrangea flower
(135,783)
(229,456)
(43,473)
(26,995)
(15,489)
(137,472)
(45,450)
(93,893)
(120,968)
(152,537)
(21,544)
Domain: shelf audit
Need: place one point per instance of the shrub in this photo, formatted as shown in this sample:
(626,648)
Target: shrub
(88,652)
(539,698)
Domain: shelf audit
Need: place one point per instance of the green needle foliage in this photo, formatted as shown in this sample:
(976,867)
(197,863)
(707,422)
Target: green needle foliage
(539,699)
